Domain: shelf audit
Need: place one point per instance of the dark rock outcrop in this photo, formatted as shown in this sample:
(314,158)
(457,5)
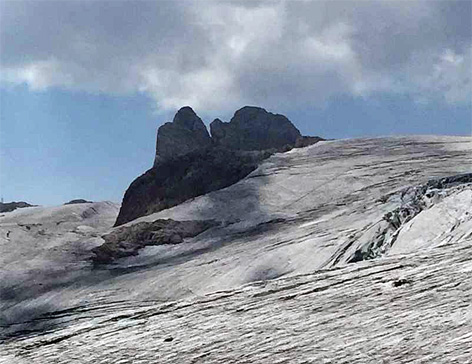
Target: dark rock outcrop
(77,201)
(253,128)
(128,240)
(11,206)
(305,141)
(185,134)
(190,163)
(173,181)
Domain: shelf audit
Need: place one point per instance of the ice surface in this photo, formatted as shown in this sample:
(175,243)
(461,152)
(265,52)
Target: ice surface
(279,260)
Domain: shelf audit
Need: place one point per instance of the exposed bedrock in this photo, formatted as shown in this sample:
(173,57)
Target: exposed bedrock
(185,134)
(253,128)
(304,141)
(174,181)
(128,240)
(11,206)
(77,201)
(190,163)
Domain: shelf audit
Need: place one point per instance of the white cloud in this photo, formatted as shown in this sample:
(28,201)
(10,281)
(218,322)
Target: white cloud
(332,44)
(39,75)
(219,55)
(451,76)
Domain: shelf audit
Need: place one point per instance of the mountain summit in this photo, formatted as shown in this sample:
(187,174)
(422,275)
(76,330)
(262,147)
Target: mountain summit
(189,162)
(185,134)
(253,128)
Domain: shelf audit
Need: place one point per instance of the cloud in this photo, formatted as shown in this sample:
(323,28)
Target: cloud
(218,55)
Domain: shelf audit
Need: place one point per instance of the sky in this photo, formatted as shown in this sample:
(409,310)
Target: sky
(84,85)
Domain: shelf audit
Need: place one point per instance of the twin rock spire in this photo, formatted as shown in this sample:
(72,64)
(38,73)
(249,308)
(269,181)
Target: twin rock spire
(189,162)
(251,128)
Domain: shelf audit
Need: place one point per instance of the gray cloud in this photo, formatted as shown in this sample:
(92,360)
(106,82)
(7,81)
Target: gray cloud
(219,55)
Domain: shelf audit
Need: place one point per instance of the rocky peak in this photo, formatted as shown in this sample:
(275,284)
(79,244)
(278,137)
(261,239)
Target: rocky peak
(190,163)
(188,119)
(254,128)
(251,114)
(185,134)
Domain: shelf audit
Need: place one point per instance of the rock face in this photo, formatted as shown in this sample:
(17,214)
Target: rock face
(173,181)
(190,163)
(253,128)
(185,134)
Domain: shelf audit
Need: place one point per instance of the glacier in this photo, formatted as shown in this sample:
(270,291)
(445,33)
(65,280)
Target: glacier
(346,251)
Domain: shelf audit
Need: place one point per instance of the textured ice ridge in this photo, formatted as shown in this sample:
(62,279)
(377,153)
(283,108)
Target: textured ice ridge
(414,200)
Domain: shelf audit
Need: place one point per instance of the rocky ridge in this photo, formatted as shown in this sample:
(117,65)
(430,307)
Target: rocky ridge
(253,128)
(189,162)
